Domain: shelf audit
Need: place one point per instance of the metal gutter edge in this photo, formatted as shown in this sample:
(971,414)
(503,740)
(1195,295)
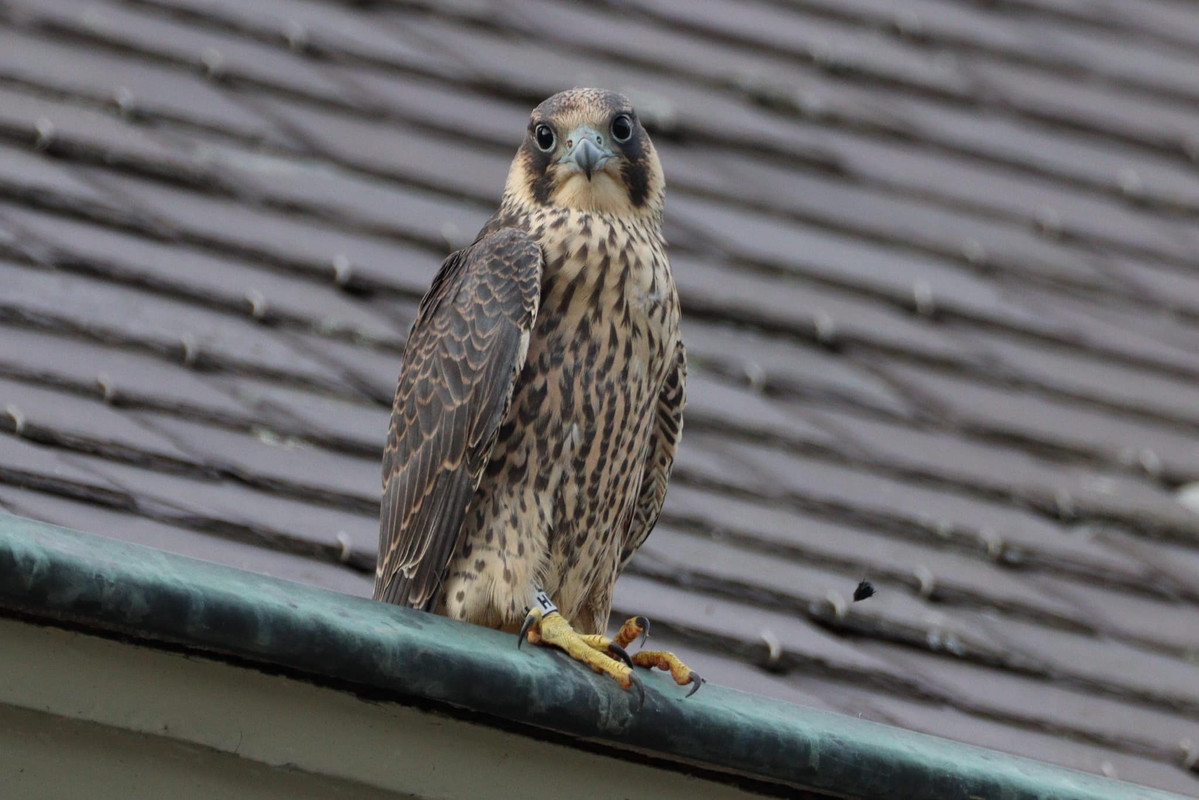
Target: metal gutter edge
(57,576)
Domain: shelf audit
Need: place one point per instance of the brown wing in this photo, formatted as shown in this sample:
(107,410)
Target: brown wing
(664,440)
(461,360)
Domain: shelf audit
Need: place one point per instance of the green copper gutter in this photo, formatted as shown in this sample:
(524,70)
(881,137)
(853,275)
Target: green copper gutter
(60,577)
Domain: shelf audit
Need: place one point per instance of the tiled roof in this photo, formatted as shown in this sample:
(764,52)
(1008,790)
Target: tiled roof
(938,266)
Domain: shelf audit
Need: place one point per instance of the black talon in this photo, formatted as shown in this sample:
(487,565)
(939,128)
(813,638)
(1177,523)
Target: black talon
(640,690)
(524,630)
(644,623)
(697,682)
(619,652)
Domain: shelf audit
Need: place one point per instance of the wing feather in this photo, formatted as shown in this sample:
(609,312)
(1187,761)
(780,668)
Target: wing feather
(668,429)
(461,361)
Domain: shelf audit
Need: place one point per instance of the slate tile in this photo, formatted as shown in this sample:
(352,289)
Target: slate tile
(786,366)
(1078,489)
(57,64)
(360,422)
(143,31)
(1128,331)
(706,461)
(911,168)
(1161,622)
(310,242)
(895,220)
(322,25)
(960,26)
(931,451)
(720,405)
(235,285)
(749,50)
(997,410)
(795,587)
(831,44)
(461,167)
(1043,704)
(1111,53)
(371,372)
(108,312)
(396,203)
(345,481)
(1121,112)
(998,527)
(1127,671)
(223,507)
(203,546)
(711,288)
(120,375)
(497,122)
(1170,286)
(673,103)
(21,114)
(401,311)
(486,56)
(26,464)
(1055,152)
(846,260)
(935,572)
(72,422)
(1176,565)
(1089,377)
(24,170)
(1163,19)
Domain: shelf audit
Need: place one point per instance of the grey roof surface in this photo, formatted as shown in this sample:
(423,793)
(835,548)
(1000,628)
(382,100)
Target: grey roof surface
(941,289)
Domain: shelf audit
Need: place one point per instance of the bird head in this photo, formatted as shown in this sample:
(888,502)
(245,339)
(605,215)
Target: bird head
(586,150)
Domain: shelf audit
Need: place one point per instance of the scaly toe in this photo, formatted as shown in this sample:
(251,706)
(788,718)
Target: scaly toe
(669,662)
(595,651)
(616,651)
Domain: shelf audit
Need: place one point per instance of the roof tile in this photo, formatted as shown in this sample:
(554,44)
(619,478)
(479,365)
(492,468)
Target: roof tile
(109,312)
(164,536)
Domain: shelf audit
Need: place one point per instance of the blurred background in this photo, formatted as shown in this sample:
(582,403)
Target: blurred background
(941,294)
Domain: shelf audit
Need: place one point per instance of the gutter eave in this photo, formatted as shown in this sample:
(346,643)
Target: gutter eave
(55,576)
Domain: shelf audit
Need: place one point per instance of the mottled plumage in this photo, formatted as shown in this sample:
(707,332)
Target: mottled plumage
(541,396)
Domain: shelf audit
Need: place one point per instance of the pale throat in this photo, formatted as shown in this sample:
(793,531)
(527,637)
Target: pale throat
(602,194)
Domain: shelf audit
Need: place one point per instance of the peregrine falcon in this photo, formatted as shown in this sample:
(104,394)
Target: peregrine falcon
(541,397)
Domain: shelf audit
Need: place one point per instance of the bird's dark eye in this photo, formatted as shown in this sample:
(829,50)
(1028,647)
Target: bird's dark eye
(622,128)
(544,135)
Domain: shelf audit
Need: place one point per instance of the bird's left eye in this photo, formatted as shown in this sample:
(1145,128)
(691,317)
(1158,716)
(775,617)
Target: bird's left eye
(622,128)
(544,135)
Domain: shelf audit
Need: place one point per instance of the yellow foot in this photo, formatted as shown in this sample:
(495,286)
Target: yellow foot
(605,655)
(550,627)
(662,659)
(682,674)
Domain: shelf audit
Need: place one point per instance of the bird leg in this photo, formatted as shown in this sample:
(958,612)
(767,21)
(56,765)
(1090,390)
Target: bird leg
(551,628)
(662,659)
(543,624)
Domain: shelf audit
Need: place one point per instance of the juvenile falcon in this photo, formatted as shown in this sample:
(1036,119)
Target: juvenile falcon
(541,397)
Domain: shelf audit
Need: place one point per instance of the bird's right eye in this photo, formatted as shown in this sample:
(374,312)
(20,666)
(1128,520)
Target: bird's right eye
(544,136)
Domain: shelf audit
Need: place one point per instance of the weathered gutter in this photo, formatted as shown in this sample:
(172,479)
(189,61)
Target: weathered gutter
(54,576)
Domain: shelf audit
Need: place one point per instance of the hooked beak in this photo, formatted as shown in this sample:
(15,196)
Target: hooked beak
(589,153)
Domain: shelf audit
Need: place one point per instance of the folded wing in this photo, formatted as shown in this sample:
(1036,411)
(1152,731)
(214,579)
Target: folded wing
(461,361)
